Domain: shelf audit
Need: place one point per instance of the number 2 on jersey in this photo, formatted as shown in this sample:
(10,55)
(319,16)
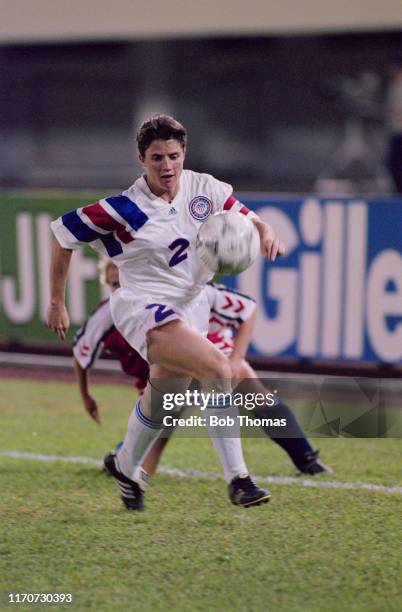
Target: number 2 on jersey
(160,313)
(181,244)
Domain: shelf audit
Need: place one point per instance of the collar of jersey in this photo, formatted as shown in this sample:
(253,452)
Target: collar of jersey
(145,188)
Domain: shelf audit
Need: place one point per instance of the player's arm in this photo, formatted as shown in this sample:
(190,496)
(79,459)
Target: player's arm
(88,345)
(241,344)
(71,232)
(57,316)
(89,403)
(271,246)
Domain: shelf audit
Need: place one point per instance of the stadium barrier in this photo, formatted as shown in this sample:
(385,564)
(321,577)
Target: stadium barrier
(335,297)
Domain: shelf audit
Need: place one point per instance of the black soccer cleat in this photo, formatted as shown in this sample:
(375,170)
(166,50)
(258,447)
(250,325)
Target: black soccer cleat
(131,493)
(244,492)
(313,466)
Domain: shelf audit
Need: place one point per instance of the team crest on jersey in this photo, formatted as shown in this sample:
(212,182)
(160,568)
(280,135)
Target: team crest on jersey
(200,208)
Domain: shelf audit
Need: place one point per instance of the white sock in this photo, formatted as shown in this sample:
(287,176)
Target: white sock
(227,440)
(141,434)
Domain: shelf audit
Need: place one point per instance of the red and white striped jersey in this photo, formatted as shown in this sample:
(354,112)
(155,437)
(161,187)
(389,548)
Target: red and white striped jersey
(229,309)
(150,240)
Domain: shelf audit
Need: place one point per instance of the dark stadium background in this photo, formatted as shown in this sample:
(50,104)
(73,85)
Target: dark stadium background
(265,112)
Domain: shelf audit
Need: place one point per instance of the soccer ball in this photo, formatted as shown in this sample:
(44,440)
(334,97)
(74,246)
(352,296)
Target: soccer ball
(228,243)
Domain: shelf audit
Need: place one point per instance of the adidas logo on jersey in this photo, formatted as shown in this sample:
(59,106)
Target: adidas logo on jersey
(172,211)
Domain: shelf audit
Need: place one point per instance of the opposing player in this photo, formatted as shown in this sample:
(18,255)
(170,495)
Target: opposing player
(161,308)
(232,316)
(99,335)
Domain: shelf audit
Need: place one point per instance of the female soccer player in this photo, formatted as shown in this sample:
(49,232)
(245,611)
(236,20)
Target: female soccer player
(161,308)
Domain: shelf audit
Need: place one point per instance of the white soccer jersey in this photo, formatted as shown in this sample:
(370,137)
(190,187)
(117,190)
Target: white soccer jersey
(229,309)
(150,240)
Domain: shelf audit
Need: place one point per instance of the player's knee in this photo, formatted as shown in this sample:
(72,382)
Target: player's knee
(217,366)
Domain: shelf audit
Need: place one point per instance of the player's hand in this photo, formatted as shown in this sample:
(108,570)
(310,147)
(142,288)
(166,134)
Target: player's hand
(92,408)
(58,320)
(271,246)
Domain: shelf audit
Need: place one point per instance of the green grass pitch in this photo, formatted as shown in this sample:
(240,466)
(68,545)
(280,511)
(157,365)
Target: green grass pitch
(63,528)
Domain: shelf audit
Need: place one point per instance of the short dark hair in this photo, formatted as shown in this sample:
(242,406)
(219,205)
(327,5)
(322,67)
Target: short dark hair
(160,127)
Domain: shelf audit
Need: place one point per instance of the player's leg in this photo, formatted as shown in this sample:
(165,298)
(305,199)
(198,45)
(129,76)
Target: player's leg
(224,430)
(153,457)
(173,349)
(183,351)
(146,422)
(136,322)
(176,353)
(189,351)
(292,439)
(178,346)
(129,464)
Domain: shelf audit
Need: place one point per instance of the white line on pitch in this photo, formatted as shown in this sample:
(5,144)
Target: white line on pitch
(282,480)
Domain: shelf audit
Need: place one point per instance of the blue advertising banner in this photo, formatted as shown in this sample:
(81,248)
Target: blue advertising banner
(337,293)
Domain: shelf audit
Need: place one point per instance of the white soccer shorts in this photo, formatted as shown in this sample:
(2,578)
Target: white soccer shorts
(134,318)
